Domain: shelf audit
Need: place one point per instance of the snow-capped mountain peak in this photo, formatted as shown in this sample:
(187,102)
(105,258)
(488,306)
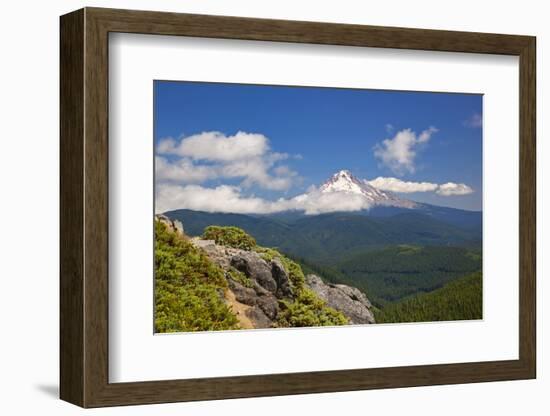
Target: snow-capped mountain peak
(344,181)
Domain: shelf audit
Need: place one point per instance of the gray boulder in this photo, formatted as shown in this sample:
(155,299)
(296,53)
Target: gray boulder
(216,253)
(254,267)
(256,296)
(269,306)
(349,300)
(259,318)
(280,275)
(243,294)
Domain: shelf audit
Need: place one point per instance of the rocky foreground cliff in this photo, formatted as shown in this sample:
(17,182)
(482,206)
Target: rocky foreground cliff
(265,289)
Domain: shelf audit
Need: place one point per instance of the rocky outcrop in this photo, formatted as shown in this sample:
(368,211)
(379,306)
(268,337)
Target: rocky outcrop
(284,287)
(349,300)
(262,289)
(173,225)
(257,286)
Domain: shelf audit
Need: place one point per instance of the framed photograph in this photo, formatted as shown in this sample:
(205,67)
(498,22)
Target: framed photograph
(257,207)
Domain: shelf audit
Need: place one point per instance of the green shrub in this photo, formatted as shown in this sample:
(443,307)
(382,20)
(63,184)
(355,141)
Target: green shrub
(230,237)
(267,254)
(309,310)
(240,277)
(184,308)
(176,259)
(188,287)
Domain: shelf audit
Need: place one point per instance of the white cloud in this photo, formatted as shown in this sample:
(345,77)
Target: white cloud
(182,170)
(215,146)
(283,170)
(166,146)
(223,198)
(255,171)
(397,185)
(212,155)
(226,198)
(426,134)
(451,188)
(316,202)
(475,121)
(405,187)
(399,152)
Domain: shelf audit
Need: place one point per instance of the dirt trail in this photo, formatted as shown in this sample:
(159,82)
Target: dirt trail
(239,309)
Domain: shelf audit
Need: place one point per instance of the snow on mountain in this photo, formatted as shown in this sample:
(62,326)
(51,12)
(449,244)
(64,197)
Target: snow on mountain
(344,181)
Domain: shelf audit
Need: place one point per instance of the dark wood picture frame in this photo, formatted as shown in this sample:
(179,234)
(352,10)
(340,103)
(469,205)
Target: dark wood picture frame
(84,207)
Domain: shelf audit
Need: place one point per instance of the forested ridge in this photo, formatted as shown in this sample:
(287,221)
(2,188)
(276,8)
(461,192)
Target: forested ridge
(393,273)
(460,299)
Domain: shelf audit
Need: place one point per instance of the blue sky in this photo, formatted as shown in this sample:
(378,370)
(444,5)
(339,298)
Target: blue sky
(304,135)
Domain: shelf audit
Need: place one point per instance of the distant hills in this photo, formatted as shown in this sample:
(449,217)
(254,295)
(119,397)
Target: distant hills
(328,236)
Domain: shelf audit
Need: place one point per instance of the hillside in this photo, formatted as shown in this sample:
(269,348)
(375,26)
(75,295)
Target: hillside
(457,300)
(224,280)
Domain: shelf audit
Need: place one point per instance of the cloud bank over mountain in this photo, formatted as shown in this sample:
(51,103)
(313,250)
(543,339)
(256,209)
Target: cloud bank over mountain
(189,173)
(230,199)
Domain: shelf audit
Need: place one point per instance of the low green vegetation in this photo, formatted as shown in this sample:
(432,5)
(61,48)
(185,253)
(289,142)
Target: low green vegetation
(230,237)
(187,287)
(182,308)
(460,299)
(309,310)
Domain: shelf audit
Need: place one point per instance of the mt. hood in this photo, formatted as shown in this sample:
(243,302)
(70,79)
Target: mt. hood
(344,181)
